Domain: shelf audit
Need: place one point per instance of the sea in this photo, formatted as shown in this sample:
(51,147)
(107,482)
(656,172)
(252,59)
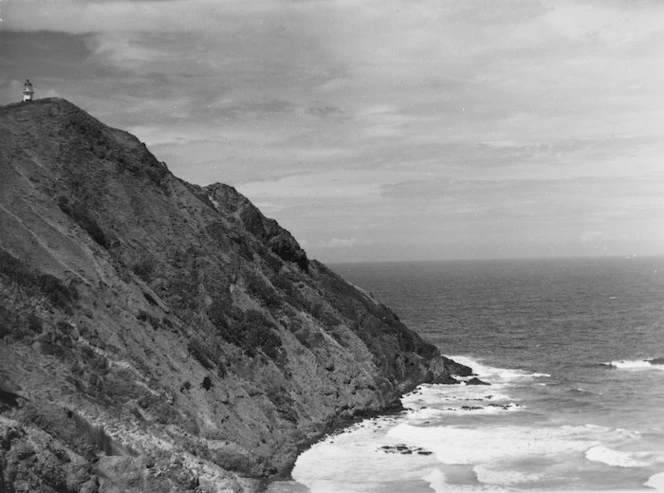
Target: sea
(573,350)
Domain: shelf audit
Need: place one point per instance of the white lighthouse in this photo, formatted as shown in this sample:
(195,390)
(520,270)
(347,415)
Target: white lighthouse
(27,91)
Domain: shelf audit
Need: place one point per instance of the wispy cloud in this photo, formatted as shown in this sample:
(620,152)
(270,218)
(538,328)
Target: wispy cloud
(516,127)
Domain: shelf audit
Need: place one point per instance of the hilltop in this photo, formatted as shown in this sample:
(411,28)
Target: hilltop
(161,336)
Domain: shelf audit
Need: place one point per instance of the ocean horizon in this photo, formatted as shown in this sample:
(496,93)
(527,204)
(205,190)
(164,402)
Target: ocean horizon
(342,265)
(574,353)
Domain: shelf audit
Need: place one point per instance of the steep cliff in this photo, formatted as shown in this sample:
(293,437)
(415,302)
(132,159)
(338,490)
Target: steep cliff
(160,336)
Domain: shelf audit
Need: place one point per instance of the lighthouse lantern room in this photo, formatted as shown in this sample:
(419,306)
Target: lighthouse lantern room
(27,91)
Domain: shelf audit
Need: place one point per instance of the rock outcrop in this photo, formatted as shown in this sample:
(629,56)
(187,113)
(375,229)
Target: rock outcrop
(160,336)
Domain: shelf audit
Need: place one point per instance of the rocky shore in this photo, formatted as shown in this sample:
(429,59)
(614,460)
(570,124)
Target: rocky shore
(158,336)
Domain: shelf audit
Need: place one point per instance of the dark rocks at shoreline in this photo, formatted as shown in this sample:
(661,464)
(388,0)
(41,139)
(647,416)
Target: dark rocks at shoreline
(504,407)
(476,381)
(404,450)
(458,369)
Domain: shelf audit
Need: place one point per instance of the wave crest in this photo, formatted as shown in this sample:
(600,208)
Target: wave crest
(642,364)
(656,482)
(614,457)
(495,375)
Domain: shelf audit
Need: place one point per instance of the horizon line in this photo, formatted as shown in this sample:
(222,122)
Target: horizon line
(494,259)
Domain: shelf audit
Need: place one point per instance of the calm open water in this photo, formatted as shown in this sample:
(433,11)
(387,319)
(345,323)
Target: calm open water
(570,347)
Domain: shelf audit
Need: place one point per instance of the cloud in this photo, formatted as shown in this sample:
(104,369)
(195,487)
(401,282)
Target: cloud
(323,110)
(76,16)
(338,242)
(390,122)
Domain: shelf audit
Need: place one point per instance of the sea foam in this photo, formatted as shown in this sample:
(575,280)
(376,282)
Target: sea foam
(356,460)
(465,445)
(656,482)
(429,402)
(437,481)
(614,457)
(643,364)
(497,375)
(502,477)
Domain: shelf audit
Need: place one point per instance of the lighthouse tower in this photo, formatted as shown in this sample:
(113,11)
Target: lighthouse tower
(27,91)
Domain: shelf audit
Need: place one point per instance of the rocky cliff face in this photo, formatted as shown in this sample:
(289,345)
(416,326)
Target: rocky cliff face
(160,336)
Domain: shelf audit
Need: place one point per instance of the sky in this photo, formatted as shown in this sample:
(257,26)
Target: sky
(381,130)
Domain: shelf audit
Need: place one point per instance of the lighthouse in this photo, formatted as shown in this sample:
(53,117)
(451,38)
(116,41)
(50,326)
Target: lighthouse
(27,91)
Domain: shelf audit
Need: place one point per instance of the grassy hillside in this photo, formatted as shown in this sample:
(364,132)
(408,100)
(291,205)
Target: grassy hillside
(160,336)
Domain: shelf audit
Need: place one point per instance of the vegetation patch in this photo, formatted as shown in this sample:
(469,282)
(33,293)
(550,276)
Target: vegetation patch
(309,338)
(7,321)
(35,323)
(240,245)
(58,345)
(57,293)
(89,135)
(86,439)
(263,291)
(284,404)
(287,249)
(201,353)
(148,317)
(78,212)
(218,232)
(182,292)
(143,270)
(322,312)
(249,330)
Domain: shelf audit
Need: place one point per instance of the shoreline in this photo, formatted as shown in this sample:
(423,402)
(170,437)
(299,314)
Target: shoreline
(475,446)
(337,425)
(334,428)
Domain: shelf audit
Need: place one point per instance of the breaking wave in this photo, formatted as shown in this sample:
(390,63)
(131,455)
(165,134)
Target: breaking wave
(656,482)
(643,364)
(497,375)
(615,457)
